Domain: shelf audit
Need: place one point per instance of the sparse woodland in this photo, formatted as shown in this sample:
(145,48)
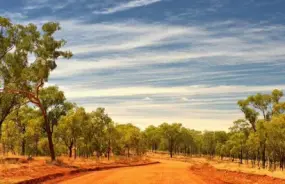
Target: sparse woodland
(38,121)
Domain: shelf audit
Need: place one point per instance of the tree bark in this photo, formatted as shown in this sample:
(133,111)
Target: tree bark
(241,156)
(70,150)
(109,149)
(23,147)
(263,156)
(171,148)
(75,149)
(128,152)
(48,130)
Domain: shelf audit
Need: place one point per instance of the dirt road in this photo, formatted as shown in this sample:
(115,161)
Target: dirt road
(172,172)
(168,172)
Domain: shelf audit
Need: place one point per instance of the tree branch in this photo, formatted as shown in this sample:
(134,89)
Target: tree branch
(38,87)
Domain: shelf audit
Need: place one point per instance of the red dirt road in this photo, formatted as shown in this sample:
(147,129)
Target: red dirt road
(167,172)
(172,172)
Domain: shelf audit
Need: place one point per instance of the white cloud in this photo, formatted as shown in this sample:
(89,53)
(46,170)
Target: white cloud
(74,91)
(147,113)
(147,99)
(185,99)
(37,4)
(126,6)
(132,44)
(81,66)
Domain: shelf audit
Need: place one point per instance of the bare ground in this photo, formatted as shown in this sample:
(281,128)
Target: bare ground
(18,169)
(173,172)
(169,171)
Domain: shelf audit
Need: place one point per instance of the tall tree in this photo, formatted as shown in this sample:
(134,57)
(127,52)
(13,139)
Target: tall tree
(250,114)
(7,103)
(25,77)
(70,128)
(21,116)
(131,137)
(153,137)
(171,133)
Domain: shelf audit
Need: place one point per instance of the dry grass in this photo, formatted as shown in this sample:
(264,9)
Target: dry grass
(246,168)
(221,165)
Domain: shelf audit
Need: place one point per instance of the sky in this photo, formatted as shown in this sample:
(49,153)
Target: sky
(154,61)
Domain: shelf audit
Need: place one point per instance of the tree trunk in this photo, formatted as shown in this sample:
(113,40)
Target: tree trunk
(263,156)
(108,154)
(0,130)
(281,163)
(49,133)
(171,149)
(75,150)
(23,147)
(70,150)
(109,149)
(241,156)
(36,146)
(50,144)
(23,140)
(128,152)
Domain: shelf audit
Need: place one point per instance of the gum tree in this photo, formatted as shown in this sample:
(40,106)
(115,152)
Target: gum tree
(23,76)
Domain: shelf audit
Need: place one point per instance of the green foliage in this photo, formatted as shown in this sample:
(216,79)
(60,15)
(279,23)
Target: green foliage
(171,133)
(70,128)
(153,137)
(26,78)
(131,138)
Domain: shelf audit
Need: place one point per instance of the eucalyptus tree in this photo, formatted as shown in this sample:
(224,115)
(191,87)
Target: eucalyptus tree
(250,113)
(186,140)
(8,102)
(268,105)
(276,139)
(108,130)
(240,132)
(22,117)
(209,143)
(34,134)
(23,76)
(130,138)
(70,128)
(171,133)
(112,136)
(55,105)
(253,146)
(153,137)
(10,137)
(98,134)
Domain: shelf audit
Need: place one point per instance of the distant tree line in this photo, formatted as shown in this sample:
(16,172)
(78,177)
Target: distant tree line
(74,133)
(258,138)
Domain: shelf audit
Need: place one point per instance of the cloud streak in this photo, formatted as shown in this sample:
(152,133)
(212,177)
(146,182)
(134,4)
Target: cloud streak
(126,6)
(83,92)
(136,44)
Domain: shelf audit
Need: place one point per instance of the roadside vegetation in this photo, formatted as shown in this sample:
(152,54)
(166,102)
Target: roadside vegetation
(38,121)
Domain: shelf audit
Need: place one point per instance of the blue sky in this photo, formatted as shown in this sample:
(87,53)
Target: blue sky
(154,61)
